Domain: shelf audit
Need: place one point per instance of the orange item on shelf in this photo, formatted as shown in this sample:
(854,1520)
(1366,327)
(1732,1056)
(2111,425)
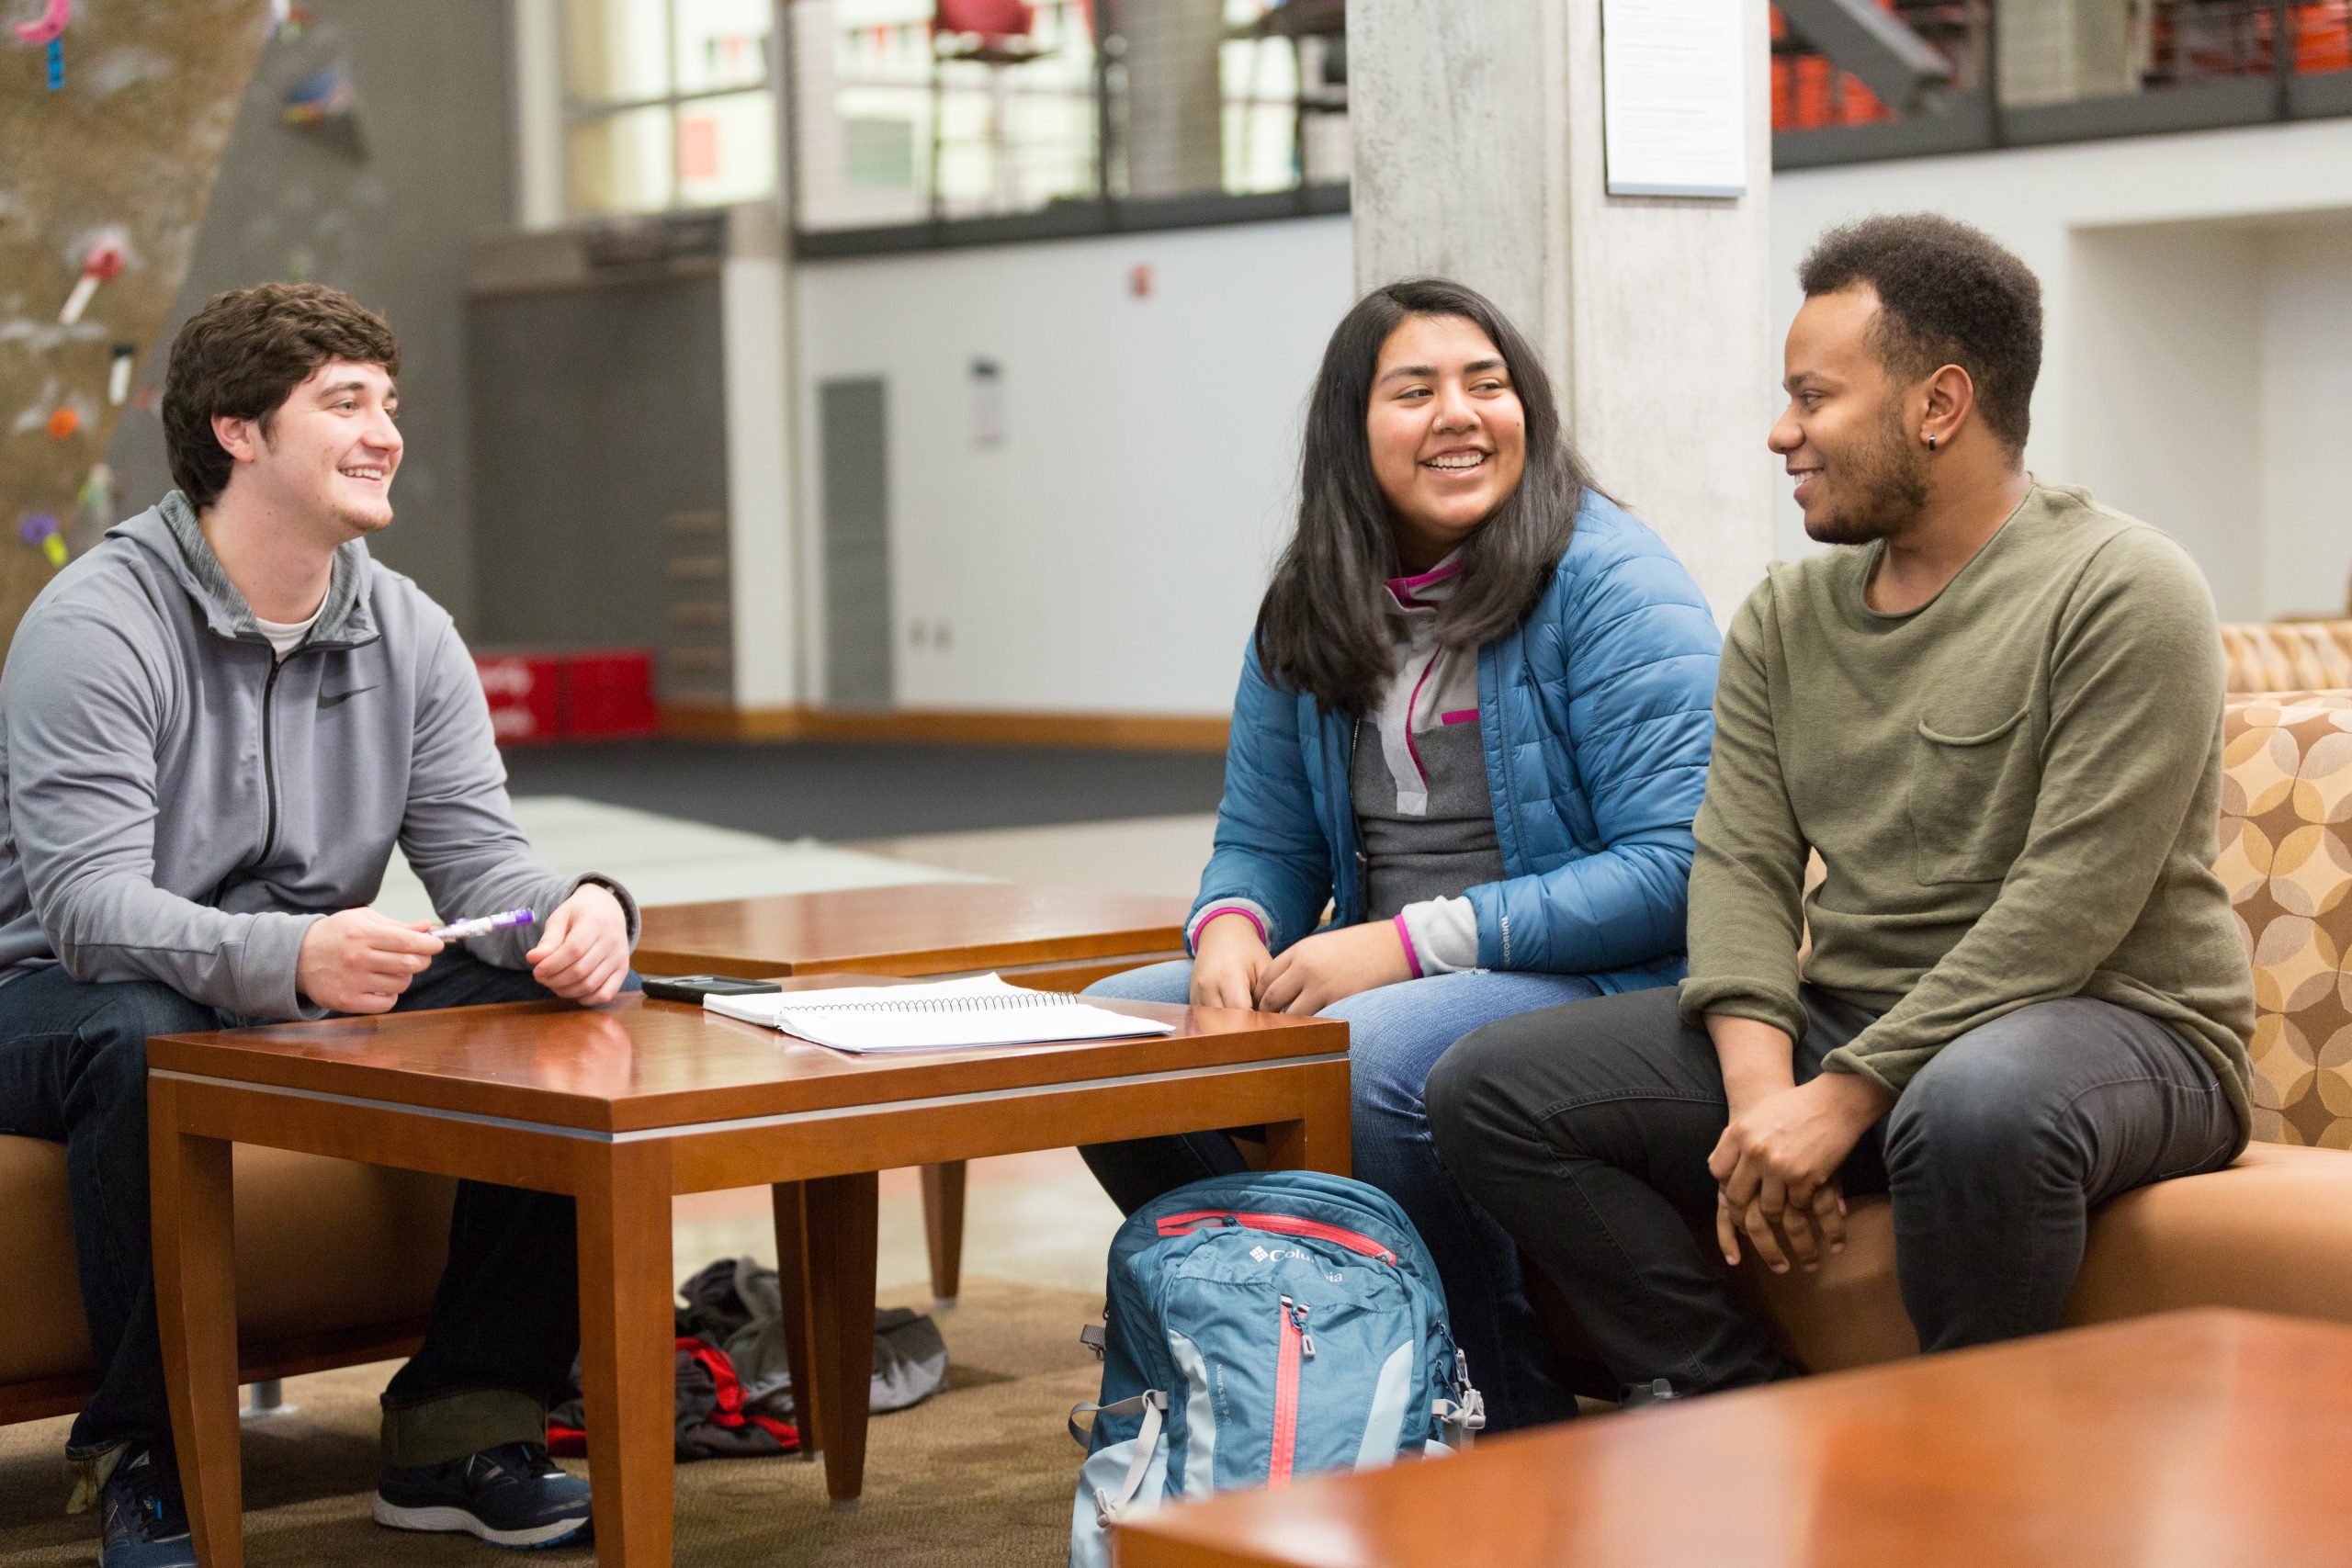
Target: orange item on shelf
(62,423)
(1813,74)
(2323,38)
(1857,105)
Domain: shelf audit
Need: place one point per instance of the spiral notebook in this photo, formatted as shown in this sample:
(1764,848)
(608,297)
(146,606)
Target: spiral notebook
(946,1015)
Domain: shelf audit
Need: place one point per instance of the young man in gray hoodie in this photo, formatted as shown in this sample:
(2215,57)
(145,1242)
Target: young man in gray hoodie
(214,728)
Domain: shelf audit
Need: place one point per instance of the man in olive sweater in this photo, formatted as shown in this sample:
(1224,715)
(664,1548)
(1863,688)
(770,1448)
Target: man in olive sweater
(1996,714)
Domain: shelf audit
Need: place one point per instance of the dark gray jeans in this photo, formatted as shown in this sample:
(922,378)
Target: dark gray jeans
(1585,1129)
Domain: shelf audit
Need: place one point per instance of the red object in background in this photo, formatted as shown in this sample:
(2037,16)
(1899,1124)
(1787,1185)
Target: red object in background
(697,148)
(2323,38)
(526,696)
(990,19)
(1857,105)
(1813,74)
(600,694)
(609,693)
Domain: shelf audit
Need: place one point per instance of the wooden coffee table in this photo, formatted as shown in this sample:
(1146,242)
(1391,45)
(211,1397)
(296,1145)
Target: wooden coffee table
(1057,939)
(624,1107)
(2202,1437)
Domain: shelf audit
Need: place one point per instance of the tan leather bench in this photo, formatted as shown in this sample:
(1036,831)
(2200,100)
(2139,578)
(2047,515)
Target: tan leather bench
(335,1265)
(2274,1231)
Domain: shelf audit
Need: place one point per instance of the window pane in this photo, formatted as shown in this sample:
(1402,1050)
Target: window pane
(622,163)
(722,43)
(727,149)
(615,50)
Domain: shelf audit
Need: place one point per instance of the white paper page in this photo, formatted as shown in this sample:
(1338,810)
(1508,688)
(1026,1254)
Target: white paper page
(872,1019)
(1674,97)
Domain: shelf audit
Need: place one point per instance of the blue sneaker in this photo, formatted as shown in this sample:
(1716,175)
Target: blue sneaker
(510,1495)
(145,1523)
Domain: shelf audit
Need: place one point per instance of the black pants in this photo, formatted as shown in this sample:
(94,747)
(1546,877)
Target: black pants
(1586,1130)
(73,1070)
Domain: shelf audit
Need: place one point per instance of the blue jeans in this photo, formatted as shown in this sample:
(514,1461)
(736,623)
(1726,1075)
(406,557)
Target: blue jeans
(73,1070)
(1395,1033)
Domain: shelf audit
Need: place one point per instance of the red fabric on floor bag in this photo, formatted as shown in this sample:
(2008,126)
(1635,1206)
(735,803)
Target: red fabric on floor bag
(712,1422)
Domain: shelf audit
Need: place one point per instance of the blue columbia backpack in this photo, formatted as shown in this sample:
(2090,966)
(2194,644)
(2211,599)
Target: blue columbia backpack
(1261,1326)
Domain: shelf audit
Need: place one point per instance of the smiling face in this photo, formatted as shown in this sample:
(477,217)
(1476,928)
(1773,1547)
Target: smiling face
(327,454)
(1448,437)
(1845,436)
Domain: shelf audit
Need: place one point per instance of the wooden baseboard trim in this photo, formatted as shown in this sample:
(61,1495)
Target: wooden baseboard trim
(1106,732)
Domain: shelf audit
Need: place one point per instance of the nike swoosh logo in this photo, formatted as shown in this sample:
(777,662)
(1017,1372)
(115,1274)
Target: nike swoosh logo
(338,699)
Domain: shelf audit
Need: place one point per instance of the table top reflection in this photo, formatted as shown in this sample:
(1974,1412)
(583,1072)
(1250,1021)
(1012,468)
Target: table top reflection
(2203,1436)
(640,1064)
(929,928)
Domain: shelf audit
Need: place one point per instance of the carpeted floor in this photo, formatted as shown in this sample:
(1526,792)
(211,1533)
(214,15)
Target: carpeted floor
(979,1477)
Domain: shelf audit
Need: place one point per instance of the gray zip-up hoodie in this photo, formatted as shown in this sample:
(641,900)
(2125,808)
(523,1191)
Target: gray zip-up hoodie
(179,806)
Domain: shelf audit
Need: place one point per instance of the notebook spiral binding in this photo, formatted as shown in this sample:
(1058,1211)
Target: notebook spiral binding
(1015,1002)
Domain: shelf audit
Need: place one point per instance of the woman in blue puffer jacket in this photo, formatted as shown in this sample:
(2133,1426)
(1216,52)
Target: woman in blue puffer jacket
(1474,719)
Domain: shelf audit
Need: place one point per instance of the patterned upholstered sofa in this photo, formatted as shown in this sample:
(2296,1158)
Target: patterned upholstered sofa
(2274,1231)
(2288,656)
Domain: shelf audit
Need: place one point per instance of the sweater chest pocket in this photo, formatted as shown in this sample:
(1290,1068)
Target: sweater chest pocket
(1970,797)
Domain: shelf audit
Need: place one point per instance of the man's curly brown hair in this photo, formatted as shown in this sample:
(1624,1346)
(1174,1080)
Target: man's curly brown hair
(241,356)
(1949,294)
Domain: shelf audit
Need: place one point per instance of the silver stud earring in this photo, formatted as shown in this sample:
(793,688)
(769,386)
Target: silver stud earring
(1931,442)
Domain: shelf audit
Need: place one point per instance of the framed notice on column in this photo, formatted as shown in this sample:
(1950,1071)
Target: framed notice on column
(1674,96)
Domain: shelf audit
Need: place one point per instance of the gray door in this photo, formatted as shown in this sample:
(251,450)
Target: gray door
(850,416)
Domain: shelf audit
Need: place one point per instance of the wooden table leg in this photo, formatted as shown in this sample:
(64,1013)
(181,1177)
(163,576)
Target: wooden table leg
(792,1277)
(1318,1140)
(196,1308)
(840,1216)
(943,1225)
(627,1364)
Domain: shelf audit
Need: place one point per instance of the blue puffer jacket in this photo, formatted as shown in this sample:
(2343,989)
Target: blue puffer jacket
(1596,714)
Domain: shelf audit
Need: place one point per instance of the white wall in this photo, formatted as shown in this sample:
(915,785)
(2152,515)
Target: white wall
(1108,554)
(2305,457)
(2157,400)
(2164,404)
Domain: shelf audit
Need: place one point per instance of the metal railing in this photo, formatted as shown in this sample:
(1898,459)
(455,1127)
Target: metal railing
(917,124)
(920,123)
(2024,72)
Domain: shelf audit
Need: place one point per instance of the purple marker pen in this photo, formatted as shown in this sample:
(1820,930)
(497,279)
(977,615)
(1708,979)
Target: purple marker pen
(462,929)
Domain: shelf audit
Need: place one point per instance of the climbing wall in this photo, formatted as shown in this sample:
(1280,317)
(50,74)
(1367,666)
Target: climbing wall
(104,177)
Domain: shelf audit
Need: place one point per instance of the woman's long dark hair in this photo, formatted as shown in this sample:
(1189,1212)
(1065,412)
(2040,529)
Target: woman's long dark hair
(1321,628)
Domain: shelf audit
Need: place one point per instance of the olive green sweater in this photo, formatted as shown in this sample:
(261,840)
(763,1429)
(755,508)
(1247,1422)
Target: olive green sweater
(2014,789)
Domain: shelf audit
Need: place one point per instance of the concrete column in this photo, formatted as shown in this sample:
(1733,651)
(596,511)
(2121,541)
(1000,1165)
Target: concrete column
(1478,156)
(1175,99)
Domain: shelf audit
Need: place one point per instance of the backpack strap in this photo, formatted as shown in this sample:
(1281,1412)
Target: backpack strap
(1155,1403)
(1467,1416)
(1151,1402)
